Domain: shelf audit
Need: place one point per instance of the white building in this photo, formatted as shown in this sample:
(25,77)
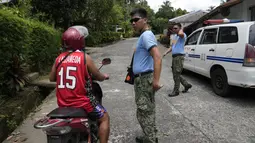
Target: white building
(232,9)
(244,9)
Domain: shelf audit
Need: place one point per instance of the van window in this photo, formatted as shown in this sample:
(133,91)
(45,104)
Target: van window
(228,35)
(192,40)
(209,36)
(252,13)
(252,35)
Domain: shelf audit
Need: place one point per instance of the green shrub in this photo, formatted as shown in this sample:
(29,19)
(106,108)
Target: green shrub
(44,46)
(128,34)
(23,42)
(97,38)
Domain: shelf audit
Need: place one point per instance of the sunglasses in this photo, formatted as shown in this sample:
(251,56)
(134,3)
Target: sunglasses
(134,20)
(175,28)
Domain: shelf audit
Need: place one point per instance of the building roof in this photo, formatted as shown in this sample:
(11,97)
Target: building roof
(190,17)
(216,11)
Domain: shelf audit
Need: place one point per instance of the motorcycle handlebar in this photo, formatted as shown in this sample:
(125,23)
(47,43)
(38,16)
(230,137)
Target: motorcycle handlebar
(40,124)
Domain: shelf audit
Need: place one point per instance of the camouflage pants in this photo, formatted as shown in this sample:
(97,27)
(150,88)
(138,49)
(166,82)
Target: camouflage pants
(177,67)
(145,101)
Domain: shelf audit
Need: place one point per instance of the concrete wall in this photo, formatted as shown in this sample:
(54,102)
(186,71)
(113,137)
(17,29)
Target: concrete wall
(239,11)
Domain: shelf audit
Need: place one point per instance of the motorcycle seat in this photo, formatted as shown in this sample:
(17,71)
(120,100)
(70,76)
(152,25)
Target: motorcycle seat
(68,112)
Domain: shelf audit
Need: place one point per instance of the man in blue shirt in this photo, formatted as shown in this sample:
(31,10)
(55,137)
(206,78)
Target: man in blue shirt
(177,50)
(147,69)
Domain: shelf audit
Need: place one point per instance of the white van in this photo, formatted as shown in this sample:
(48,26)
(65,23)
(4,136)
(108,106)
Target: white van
(225,53)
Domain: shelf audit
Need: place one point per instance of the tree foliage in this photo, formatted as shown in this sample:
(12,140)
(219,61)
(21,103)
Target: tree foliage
(97,15)
(118,14)
(166,12)
(179,12)
(60,12)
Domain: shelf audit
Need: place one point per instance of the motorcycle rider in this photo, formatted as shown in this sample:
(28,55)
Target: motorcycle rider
(71,73)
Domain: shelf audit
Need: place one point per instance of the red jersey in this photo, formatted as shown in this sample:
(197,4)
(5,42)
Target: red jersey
(71,81)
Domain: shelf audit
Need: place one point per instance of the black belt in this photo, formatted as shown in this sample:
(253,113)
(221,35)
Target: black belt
(144,73)
(176,55)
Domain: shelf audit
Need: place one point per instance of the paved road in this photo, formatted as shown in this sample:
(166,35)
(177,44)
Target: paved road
(198,116)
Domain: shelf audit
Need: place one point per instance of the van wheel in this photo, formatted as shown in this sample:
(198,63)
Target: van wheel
(219,81)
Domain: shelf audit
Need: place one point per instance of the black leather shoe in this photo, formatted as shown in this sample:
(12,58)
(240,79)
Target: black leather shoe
(173,94)
(187,88)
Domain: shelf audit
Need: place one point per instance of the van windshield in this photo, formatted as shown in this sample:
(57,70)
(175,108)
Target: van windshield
(252,35)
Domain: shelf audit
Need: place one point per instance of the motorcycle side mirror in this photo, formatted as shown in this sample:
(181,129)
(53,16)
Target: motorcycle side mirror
(106,61)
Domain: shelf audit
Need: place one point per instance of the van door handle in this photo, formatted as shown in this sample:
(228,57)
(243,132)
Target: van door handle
(211,50)
(192,49)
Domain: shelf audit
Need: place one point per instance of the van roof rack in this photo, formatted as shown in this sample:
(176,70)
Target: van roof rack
(221,21)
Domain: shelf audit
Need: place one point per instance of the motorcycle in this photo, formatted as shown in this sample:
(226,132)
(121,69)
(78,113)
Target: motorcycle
(72,125)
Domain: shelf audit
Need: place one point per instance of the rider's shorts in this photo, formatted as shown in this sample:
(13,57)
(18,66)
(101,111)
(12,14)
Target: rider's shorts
(97,113)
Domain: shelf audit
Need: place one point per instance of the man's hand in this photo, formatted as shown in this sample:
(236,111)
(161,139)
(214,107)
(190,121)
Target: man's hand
(106,76)
(156,85)
(181,33)
(94,70)
(166,53)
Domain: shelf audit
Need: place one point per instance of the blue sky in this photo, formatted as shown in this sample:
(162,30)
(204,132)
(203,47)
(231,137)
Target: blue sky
(189,5)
